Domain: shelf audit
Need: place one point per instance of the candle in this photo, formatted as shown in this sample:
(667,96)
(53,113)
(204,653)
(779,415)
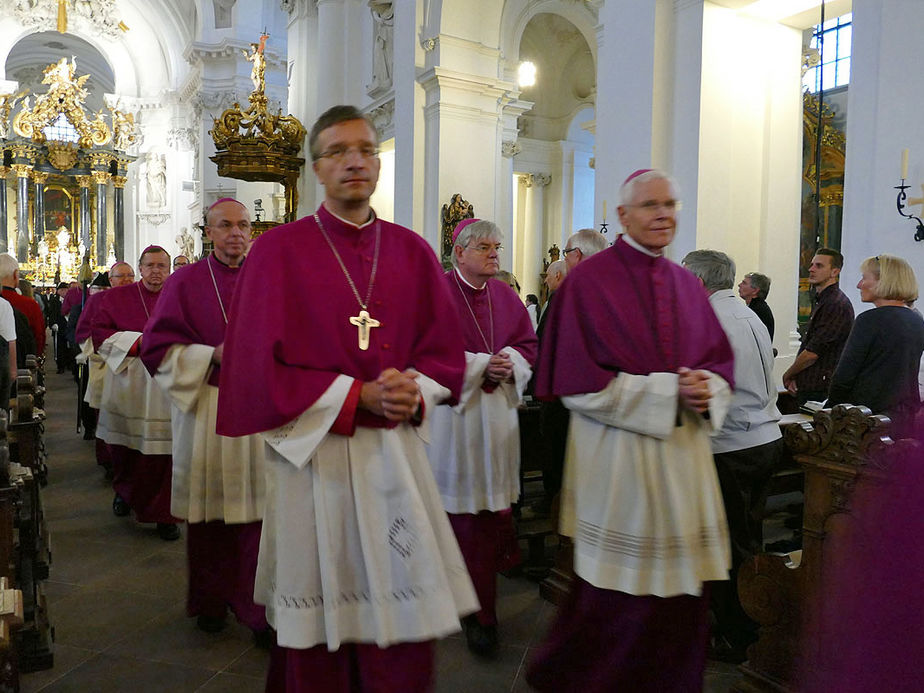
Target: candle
(904,166)
(604,210)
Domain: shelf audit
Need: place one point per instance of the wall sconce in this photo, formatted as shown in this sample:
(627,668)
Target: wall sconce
(258,209)
(902,196)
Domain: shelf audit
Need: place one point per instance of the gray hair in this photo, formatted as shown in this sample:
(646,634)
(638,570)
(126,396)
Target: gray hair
(479,230)
(715,269)
(559,266)
(627,191)
(760,282)
(8,265)
(588,241)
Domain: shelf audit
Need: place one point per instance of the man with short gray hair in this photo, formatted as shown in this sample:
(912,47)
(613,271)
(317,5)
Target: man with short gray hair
(754,289)
(746,449)
(474,445)
(583,244)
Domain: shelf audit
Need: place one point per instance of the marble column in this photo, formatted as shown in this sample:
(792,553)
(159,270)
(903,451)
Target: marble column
(118,210)
(38,208)
(3,210)
(534,237)
(85,182)
(23,172)
(102,189)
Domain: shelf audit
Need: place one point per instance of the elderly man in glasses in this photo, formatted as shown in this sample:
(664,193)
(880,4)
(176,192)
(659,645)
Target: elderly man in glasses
(340,365)
(475,445)
(637,354)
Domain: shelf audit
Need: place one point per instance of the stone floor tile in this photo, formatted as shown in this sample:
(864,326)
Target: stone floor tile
(110,674)
(233,683)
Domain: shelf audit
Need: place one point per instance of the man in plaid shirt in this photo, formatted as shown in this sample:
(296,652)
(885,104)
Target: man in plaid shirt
(809,377)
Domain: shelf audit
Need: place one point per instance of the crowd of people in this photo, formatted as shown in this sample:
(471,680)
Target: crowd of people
(335,421)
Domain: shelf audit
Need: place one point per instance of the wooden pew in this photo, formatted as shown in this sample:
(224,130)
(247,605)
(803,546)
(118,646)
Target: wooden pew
(25,555)
(832,449)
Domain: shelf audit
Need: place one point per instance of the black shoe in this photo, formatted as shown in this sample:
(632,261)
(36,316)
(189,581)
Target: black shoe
(88,434)
(120,507)
(167,531)
(482,640)
(209,624)
(264,639)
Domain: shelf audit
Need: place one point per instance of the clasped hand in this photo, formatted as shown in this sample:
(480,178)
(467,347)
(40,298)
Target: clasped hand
(500,368)
(394,394)
(694,389)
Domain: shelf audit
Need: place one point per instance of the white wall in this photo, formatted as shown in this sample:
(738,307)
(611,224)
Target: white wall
(885,102)
(748,189)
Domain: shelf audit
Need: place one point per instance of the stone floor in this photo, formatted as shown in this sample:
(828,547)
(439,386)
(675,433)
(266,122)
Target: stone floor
(116,600)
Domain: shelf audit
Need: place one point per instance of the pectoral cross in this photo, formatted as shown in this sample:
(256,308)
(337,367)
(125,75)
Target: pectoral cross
(363,322)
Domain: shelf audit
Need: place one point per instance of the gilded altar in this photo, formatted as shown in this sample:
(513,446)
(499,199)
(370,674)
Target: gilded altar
(65,166)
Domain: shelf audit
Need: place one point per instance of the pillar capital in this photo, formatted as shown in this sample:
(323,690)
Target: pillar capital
(40,177)
(119,181)
(101,177)
(22,170)
(538,180)
(84,181)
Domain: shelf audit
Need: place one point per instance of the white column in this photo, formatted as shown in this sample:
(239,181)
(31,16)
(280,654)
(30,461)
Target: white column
(625,89)
(331,53)
(533,250)
(409,126)
(302,41)
(687,86)
(883,118)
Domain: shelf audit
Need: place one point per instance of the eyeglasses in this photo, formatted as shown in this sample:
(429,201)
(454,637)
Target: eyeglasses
(669,206)
(342,153)
(569,250)
(485,248)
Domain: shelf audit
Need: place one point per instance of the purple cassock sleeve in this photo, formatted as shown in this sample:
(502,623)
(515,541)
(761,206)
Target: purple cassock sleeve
(82,330)
(122,309)
(623,311)
(289,334)
(190,311)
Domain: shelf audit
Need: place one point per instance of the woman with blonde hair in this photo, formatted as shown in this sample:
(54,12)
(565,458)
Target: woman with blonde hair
(879,365)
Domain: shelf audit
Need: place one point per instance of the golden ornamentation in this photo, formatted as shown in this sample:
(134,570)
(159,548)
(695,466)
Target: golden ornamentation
(22,170)
(450,215)
(4,172)
(119,181)
(7,101)
(62,155)
(84,181)
(66,94)
(100,159)
(40,177)
(100,177)
(257,145)
(23,151)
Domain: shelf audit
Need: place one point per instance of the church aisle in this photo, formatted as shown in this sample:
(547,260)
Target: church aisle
(116,597)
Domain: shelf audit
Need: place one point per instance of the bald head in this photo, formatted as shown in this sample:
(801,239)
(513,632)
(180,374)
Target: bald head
(120,274)
(555,274)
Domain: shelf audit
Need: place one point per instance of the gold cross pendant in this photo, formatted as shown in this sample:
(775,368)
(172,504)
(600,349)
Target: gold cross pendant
(363,322)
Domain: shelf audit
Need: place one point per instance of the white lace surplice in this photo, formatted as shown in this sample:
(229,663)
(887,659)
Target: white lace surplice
(640,496)
(214,477)
(356,546)
(475,445)
(134,411)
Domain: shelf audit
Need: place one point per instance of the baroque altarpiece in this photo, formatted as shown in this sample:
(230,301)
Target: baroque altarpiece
(65,165)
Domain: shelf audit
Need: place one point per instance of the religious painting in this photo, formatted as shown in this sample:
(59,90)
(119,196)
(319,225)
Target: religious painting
(59,209)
